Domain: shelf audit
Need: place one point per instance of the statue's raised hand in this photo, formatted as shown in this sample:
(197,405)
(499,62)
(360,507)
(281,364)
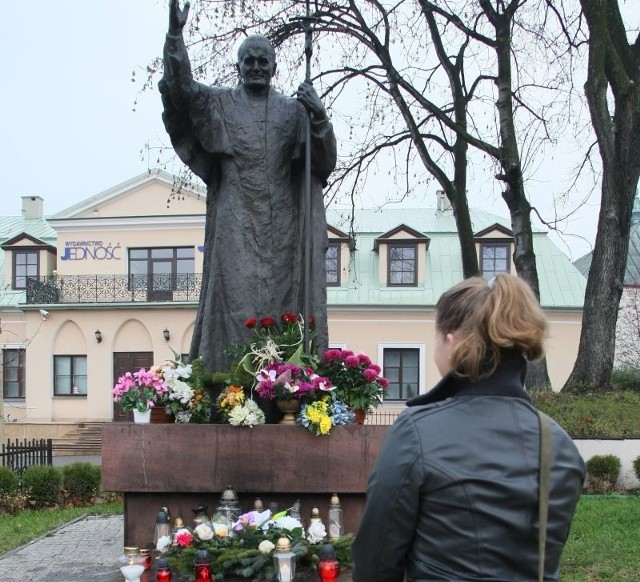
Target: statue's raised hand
(177,17)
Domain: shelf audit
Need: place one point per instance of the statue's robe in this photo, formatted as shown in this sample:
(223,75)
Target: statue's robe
(250,154)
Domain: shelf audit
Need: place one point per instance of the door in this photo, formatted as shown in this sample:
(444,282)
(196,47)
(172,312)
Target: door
(124,362)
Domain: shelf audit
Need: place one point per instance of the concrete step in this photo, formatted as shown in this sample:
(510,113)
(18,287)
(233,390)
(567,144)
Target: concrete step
(85,439)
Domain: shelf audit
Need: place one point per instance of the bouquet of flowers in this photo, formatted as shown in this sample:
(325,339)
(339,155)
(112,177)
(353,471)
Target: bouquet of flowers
(139,391)
(245,547)
(286,380)
(322,415)
(186,397)
(356,379)
(237,409)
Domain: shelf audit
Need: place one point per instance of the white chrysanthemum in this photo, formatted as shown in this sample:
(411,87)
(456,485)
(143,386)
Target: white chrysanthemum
(266,546)
(204,532)
(249,414)
(287,522)
(183,416)
(163,543)
(316,532)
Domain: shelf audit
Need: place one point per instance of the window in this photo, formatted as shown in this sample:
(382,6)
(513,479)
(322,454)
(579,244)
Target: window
(494,259)
(332,263)
(13,366)
(25,264)
(70,375)
(161,270)
(402,263)
(401,366)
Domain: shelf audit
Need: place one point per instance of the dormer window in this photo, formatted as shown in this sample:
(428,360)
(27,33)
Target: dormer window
(25,265)
(402,264)
(402,261)
(494,259)
(337,257)
(494,246)
(332,263)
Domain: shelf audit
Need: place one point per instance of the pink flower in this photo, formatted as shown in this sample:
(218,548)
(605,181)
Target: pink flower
(351,361)
(364,359)
(383,382)
(331,355)
(370,374)
(375,367)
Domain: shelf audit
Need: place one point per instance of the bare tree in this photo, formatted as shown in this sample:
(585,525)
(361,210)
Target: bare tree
(612,91)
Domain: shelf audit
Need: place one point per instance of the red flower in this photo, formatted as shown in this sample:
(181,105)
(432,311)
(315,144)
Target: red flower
(267,322)
(289,318)
(251,322)
(184,538)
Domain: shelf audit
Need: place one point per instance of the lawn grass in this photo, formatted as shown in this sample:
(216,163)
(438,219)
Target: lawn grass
(604,541)
(27,525)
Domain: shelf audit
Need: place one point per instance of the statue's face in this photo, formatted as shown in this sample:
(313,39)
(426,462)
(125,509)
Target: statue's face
(256,64)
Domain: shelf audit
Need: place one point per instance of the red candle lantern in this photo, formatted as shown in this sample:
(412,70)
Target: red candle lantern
(146,555)
(163,571)
(328,567)
(202,567)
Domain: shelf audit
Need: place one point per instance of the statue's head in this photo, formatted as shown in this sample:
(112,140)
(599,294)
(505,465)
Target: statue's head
(256,62)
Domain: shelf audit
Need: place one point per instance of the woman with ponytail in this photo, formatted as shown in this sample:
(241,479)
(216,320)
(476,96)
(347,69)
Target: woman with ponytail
(455,492)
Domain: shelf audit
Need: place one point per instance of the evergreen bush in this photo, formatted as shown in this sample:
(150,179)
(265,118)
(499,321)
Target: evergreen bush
(81,481)
(43,484)
(636,467)
(9,481)
(603,472)
(626,378)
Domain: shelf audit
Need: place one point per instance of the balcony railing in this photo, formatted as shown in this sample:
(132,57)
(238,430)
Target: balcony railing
(113,288)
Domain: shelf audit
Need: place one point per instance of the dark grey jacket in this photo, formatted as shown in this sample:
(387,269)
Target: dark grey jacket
(454,494)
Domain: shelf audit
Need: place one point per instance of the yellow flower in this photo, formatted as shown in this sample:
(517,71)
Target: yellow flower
(325,425)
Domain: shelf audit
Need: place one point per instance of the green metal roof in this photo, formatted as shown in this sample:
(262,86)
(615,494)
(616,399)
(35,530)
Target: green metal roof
(561,284)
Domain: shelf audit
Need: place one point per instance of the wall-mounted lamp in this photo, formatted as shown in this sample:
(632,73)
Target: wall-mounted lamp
(98,335)
(166,334)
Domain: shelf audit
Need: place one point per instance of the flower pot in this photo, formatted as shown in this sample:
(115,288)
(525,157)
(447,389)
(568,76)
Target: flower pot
(141,417)
(159,416)
(289,407)
(361,415)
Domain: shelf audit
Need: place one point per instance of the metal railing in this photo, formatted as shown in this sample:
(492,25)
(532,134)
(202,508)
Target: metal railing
(113,288)
(21,455)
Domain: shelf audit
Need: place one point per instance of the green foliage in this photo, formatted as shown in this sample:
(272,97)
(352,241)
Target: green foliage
(610,415)
(43,484)
(603,471)
(82,480)
(626,378)
(636,467)
(9,481)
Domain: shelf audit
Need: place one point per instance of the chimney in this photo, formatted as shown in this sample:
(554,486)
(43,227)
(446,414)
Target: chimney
(443,203)
(32,207)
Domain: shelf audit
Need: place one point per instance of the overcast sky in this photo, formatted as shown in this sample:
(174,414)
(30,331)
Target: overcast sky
(67,125)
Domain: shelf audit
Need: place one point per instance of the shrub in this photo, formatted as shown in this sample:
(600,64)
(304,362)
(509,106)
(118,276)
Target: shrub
(81,481)
(626,378)
(9,481)
(43,484)
(636,467)
(603,472)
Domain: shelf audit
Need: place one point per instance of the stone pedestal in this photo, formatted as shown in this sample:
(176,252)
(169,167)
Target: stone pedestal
(182,466)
